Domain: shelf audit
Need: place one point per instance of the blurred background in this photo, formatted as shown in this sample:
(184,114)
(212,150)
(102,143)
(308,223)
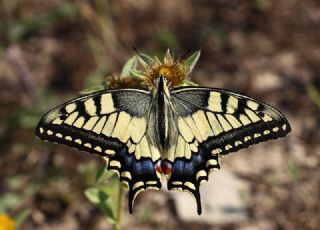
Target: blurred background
(52,49)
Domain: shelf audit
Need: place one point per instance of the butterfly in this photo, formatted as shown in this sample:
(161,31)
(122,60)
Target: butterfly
(178,132)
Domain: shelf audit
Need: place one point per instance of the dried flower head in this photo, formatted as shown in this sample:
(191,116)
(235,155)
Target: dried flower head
(117,82)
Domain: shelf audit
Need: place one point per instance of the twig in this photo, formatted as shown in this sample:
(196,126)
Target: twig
(117,225)
(16,60)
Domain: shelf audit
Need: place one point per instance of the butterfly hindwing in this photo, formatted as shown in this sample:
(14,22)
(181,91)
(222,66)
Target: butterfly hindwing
(214,122)
(112,124)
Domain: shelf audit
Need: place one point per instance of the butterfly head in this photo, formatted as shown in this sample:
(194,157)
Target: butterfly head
(162,84)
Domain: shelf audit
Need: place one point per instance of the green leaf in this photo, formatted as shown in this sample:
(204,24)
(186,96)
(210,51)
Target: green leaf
(189,83)
(138,73)
(145,59)
(101,197)
(131,64)
(9,201)
(191,61)
(104,174)
(100,172)
(92,195)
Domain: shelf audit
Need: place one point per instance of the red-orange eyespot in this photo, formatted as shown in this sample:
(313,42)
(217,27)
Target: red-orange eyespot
(159,167)
(166,167)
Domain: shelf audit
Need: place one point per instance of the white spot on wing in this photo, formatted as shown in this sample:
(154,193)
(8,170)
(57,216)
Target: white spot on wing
(126,174)
(137,185)
(98,149)
(189,185)
(78,141)
(211,162)
(115,163)
(110,152)
(201,173)
(275,129)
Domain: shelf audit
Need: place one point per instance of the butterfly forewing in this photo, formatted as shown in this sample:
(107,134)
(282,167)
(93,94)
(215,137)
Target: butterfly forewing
(112,124)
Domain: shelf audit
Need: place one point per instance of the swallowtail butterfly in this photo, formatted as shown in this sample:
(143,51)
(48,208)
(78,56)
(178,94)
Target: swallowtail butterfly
(165,129)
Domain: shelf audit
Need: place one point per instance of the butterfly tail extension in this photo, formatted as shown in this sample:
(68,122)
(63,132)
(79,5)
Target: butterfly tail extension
(142,177)
(183,181)
(189,174)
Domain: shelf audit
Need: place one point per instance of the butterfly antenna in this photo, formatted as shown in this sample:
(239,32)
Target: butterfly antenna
(185,55)
(140,55)
(181,59)
(136,50)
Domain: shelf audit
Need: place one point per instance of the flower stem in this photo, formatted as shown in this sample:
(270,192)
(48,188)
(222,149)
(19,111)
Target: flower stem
(117,225)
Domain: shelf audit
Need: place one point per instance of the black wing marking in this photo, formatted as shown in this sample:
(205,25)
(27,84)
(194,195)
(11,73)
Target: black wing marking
(214,122)
(112,124)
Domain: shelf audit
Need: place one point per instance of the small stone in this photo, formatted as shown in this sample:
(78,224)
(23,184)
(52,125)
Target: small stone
(222,199)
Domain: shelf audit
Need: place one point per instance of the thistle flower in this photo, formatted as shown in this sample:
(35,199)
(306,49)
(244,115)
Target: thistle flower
(175,71)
